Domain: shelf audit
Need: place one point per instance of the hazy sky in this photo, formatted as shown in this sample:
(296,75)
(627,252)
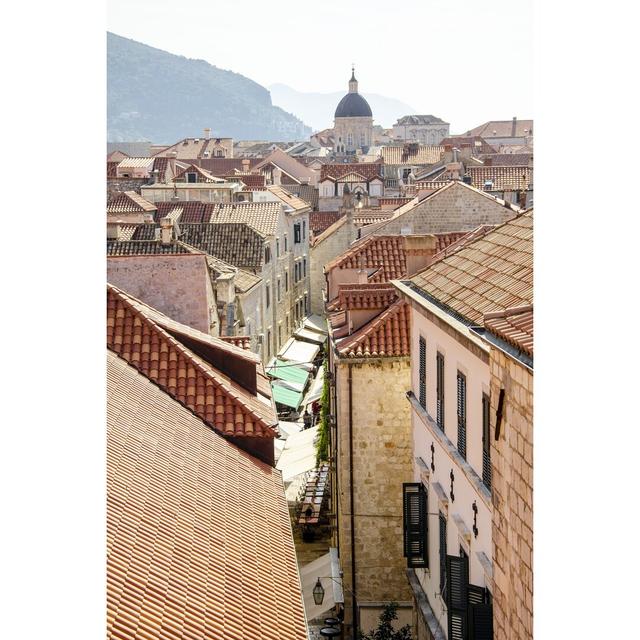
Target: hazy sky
(466,62)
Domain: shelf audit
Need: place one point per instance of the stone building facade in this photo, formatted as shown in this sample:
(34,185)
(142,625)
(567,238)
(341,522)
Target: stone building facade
(512,458)
(426,129)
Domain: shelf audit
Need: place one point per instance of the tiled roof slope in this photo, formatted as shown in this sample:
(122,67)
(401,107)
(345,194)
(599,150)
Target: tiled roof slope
(129,202)
(375,252)
(321,220)
(366,296)
(513,177)
(477,143)
(462,241)
(134,333)
(262,216)
(412,154)
(297,204)
(199,541)
(508,159)
(288,164)
(143,248)
(387,335)
(224,166)
(203,174)
(514,326)
(235,243)
(491,274)
(249,179)
(503,129)
(244,342)
(190,211)
(369,170)
(307,192)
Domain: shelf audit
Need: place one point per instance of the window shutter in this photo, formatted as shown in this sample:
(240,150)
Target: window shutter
(462,415)
(481,621)
(414,507)
(422,373)
(457,597)
(440,391)
(486,441)
(443,555)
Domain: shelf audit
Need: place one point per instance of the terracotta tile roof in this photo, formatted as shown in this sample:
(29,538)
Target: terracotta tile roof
(189,149)
(477,143)
(161,165)
(512,177)
(393,201)
(287,198)
(199,541)
(135,163)
(244,281)
(507,159)
(337,319)
(203,174)
(352,176)
(143,247)
(387,335)
(430,185)
(248,179)
(191,211)
(412,154)
(363,217)
(514,326)
(235,243)
(307,192)
(366,296)
(243,342)
(490,274)
(129,202)
(321,220)
(328,232)
(385,254)
(261,216)
(225,166)
(145,339)
(126,231)
(503,129)
(369,170)
(462,240)
(289,165)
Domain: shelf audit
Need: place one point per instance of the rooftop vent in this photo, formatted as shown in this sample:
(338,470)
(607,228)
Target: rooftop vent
(488,185)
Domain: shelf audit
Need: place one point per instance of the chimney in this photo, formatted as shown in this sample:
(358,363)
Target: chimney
(245,165)
(513,127)
(448,153)
(166,230)
(172,163)
(276,176)
(207,133)
(113,231)
(418,251)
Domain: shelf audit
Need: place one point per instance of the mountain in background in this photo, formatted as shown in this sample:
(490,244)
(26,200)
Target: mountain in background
(158,96)
(318,108)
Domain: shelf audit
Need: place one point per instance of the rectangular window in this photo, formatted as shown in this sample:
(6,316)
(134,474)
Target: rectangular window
(440,390)
(443,554)
(279,335)
(192,177)
(304,229)
(267,292)
(278,284)
(415,529)
(267,255)
(277,247)
(306,303)
(268,344)
(304,267)
(462,414)
(285,243)
(286,281)
(422,373)
(457,568)
(296,233)
(486,441)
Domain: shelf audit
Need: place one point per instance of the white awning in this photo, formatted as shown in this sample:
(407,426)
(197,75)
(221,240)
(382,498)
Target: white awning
(326,568)
(310,336)
(287,429)
(316,323)
(315,392)
(298,455)
(297,351)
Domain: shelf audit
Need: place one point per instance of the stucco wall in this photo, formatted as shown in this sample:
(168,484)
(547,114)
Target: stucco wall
(458,208)
(382,461)
(177,285)
(512,459)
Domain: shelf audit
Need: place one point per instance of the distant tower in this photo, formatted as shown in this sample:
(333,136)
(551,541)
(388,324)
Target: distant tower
(353,122)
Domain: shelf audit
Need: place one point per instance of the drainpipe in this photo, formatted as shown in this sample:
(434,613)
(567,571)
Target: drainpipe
(354,613)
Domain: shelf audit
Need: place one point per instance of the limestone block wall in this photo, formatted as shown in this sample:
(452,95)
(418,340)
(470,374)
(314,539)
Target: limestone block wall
(512,496)
(322,253)
(457,208)
(382,461)
(118,185)
(177,285)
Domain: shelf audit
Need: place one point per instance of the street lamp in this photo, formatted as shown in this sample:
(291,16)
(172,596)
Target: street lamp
(318,593)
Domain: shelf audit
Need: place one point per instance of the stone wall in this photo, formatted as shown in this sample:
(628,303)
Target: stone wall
(512,495)
(117,185)
(177,285)
(322,253)
(456,208)
(382,461)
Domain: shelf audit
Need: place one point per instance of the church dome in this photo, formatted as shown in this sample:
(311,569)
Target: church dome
(353,105)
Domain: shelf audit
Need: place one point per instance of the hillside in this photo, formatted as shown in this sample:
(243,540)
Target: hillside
(317,109)
(158,96)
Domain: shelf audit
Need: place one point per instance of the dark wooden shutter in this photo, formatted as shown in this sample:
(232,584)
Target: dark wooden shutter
(486,441)
(443,554)
(414,507)
(440,390)
(457,596)
(422,373)
(481,621)
(462,415)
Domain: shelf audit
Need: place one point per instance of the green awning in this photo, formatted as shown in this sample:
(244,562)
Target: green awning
(285,396)
(290,373)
